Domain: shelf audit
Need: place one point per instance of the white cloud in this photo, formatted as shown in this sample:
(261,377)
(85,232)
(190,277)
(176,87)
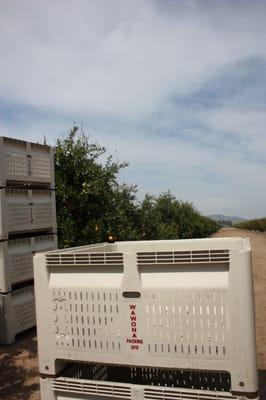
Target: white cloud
(118,65)
(212,179)
(215,179)
(121,58)
(246,127)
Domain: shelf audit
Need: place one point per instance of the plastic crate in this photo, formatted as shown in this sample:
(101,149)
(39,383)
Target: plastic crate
(17,313)
(23,210)
(25,162)
(16,258)
(181,304)
(104,382)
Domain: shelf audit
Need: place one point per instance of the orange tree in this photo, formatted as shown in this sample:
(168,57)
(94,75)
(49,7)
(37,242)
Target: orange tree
(165,217)
(91,205)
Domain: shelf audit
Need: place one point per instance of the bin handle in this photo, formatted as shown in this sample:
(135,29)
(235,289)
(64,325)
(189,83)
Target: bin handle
(131,294)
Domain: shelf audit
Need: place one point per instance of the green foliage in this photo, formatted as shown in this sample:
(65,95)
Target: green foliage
(93,207)
(165,217)
(253,225)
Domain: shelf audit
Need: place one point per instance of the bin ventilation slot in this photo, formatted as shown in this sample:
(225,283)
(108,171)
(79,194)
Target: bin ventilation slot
(153,394)
(21,266)
(25,315)
(43,213)
(184,257)
(87,321)
(83,387)
(25,161)
(41,167)
(85,259)
(18,215)
(16,164)
(158,379)
(20,314)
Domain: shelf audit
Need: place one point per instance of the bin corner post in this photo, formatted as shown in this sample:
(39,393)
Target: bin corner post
(43,314)
(45,388)
(243,353)
(3,215)
(52,167)
(2,163)
(5,270)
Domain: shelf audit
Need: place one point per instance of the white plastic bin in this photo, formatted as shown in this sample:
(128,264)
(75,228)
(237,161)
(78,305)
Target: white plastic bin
(183,304)
(16,258)
(17,313)
(85,382)
(23,210)
(25,162)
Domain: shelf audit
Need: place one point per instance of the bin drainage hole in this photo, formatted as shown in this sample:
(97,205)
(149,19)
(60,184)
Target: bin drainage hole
(241,384)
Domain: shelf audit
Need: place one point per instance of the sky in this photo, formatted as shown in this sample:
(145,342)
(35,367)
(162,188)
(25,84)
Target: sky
(176,88)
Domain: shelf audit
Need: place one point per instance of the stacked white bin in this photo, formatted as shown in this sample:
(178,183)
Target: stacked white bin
(27,226)
(147,320)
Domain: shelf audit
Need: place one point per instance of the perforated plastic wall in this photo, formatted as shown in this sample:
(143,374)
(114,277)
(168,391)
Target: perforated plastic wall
(183,324)
(16,258)
(23,210)
(17,313)
(22,161)
(166,304)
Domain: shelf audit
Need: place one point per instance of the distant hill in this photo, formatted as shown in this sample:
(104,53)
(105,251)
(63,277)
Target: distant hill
(226,219)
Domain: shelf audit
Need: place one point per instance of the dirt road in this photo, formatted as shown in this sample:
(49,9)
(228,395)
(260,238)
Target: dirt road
(19,378)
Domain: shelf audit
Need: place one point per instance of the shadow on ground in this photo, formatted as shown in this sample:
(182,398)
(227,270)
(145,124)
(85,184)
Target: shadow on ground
(18,368)
(262,384)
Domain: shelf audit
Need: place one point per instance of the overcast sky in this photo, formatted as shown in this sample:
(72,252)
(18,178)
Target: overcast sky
(177,88)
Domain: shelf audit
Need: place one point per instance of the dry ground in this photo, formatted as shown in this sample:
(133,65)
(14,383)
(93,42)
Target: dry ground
(19,378)
(19,364)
